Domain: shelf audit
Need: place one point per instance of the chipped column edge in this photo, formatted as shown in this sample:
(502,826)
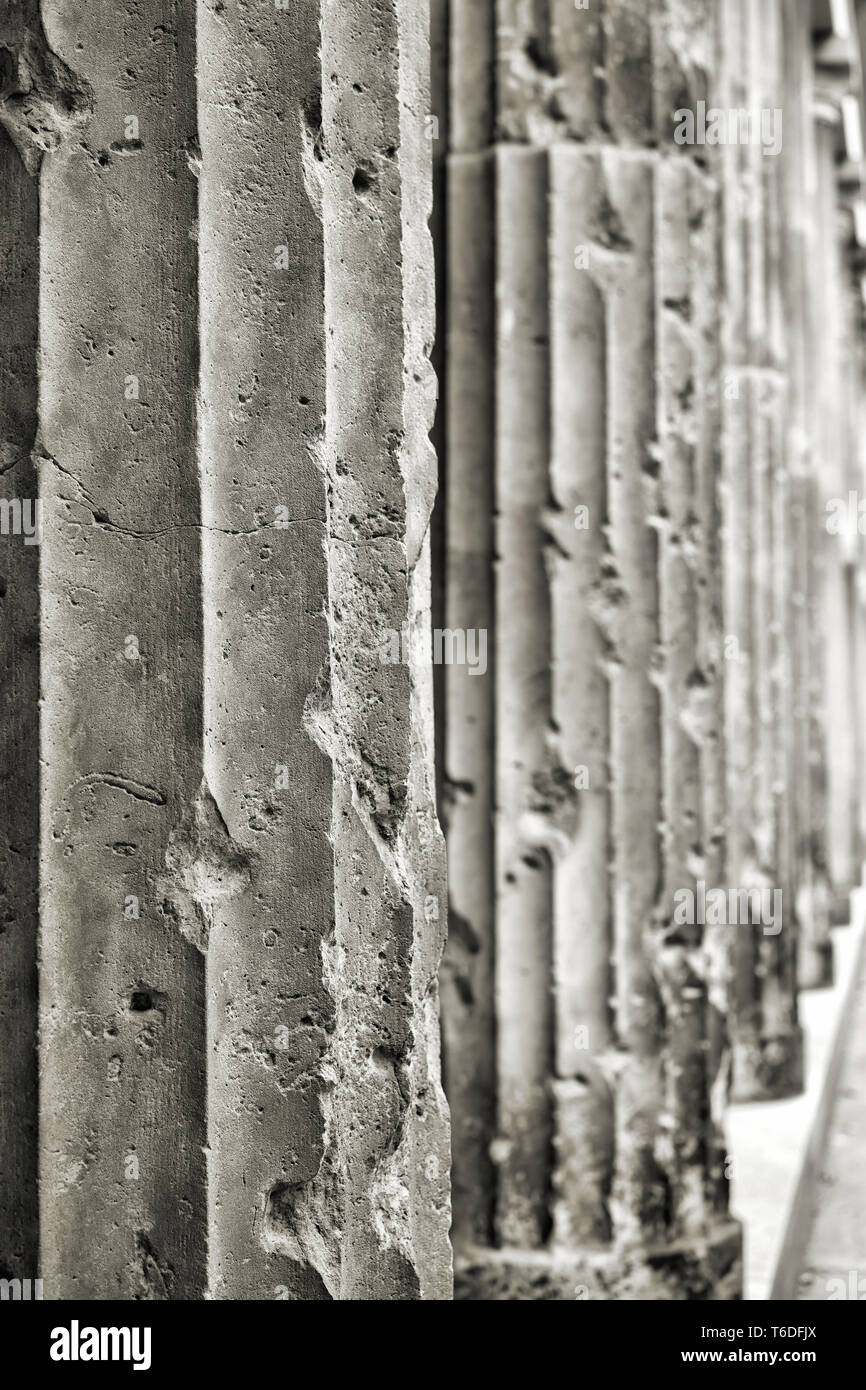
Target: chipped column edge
(418,465)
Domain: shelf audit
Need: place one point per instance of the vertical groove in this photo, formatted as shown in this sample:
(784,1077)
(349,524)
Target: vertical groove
(833,548)
(264,876)
(639,1194)
(468,779)
(684,684)
(579,821)
(122,982)
(468,1006)
(19,661)
(526,778)
(390,1129)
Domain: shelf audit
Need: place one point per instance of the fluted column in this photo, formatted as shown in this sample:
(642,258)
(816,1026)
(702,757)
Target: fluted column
(608,762)
(766,1038)
(241,871)
(122,985)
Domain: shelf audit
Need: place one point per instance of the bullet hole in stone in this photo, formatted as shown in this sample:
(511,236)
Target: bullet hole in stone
(675,938)
(303,400)
(2,588)
(530,862)
(554,108)
(363,179)
(610,232)
(390,152)
(124,848)
(103,159)
(510,878)
(682,306)
(126,146)
(540,57)
(356,87)
(144,1000)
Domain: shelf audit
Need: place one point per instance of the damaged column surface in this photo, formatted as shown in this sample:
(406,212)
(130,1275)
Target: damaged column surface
(839,157)
(765,1033)
(122,1040)
(243,902)
(811,902)
(608,1077)
(324,887)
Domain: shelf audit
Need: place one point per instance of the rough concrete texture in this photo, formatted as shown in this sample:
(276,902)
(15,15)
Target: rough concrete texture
(218,233)
(589,778)
(222,879)
(672,653)
(766,1036)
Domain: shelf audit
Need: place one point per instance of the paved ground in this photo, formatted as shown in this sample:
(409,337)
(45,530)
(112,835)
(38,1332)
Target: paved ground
(835,1263)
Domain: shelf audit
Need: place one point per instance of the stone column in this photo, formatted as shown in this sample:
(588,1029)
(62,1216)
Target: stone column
(243,902)
(123,1048)
(767,1043)
(838,148)
(468,407)
(609,1012)
(811,902)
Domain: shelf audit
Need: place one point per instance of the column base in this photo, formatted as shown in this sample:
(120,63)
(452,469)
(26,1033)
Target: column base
(767,1068)
(697,1271)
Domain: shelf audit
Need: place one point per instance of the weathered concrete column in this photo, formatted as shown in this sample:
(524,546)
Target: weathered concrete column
(610,1062)
(390,1118)
(318,484)
(838,147)
(767,1044)
(467,256)
(811,901)
(122,1042)
(243,901)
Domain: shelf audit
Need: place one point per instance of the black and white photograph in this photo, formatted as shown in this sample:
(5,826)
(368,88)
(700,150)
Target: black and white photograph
(432,673)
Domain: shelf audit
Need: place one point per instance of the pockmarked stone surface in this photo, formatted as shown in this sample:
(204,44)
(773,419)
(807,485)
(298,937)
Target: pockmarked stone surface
(253,633)
(221,809)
